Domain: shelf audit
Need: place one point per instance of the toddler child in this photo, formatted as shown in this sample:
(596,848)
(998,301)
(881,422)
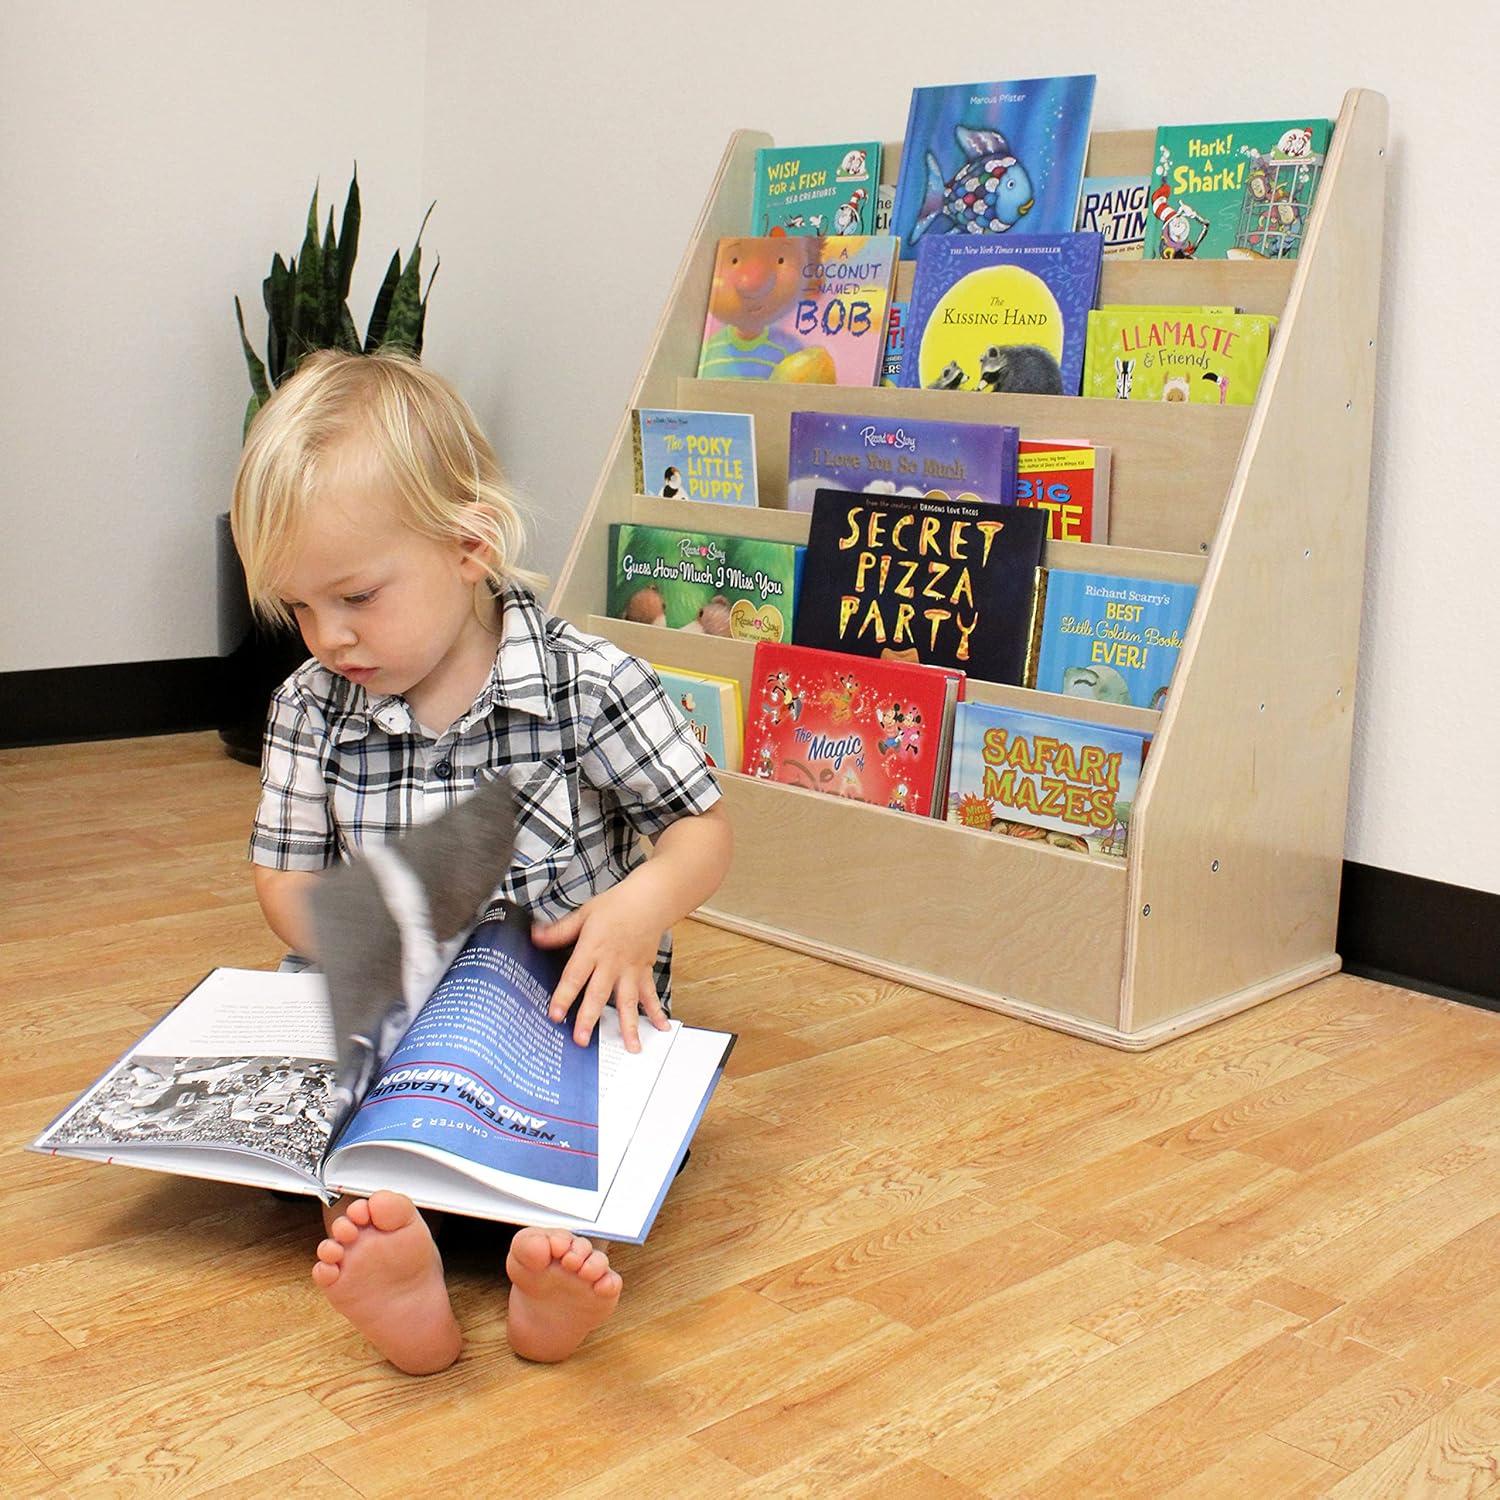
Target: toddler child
(369,510)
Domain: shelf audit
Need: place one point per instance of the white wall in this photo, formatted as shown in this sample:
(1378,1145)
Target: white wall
(569,149)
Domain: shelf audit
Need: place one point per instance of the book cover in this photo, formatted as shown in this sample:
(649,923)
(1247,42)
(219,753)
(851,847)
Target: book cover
(1036,776)
(895,341)
(874,731)
(944,582)
(1241,191)
(1116,207)
(992,313)
(711,707)
(704,582)
(811,310)
(987,158)
(1176,354)
(695,455)
(1070,482)
(1112,639)
(802,190)
(895,456)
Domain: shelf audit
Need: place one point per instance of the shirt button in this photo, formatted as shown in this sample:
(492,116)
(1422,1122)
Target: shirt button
(443,770)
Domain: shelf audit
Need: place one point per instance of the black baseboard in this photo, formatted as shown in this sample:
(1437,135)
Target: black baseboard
(63,704)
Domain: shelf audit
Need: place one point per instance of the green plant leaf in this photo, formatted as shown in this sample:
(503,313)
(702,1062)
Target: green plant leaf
(252,360)
(404,326)
(349,236)
(307,294)
(348,333)
(380,313)
(328,301)
(253,406)
(276,293)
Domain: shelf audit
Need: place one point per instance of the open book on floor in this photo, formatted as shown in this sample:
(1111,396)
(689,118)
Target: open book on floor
(442,1079)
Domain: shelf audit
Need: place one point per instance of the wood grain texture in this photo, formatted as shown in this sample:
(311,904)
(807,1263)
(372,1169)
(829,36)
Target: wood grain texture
(920,1249)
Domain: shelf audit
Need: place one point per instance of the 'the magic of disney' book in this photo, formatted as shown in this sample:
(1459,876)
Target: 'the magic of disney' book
(992,158)
(874,731)
(809,310)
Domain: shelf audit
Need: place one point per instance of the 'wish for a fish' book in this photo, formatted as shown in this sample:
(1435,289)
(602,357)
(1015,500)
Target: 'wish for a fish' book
(810,190)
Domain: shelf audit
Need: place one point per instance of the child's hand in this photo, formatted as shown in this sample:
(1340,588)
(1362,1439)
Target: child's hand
(616,935)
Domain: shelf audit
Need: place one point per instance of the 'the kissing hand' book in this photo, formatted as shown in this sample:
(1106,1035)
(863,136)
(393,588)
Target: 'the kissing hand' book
(1112,639)
(465,1096)
(695,455)
(1035,776)
(711,708)
(992,158)
(1002,314)
(812,311)
(900,456)
(803,190)
(945,582)
(875,731)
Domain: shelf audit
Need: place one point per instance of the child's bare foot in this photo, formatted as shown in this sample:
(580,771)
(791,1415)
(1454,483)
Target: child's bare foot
(561,1288)
(381,1269)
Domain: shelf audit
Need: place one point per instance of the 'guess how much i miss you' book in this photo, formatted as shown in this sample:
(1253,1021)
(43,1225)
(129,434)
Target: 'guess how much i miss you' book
(422,1061)
(695,455)
(944,582)
(874,731)
(812,311)
(900,456)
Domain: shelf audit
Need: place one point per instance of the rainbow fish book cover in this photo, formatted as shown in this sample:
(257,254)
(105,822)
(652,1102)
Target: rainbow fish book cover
(1240,192)
(1197,354)
(945,582)
(710,706)
(702,582)
(1002,314)
(990,158)
(806,190)
(812,311)
(1112,639)
(900,456)
(1116,208)
(695,455)
(1034,776)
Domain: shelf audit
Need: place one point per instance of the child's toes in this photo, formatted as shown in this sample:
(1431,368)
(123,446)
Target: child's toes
(345,1231)
(330,1252)
(561,1243)
(594,1266)
(609,1284)
(324,1273)
(359,1213)
(577,1252)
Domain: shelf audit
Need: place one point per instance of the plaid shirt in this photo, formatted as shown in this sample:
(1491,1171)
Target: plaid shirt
(593,748)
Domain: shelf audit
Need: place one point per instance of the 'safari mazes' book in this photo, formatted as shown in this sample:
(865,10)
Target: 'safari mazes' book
(945,582)
(874,731)
(802,190)
(1008,313)
(1194,354)
(992,158)
(1241,191)
(900,456)
(1116,208)
(1112,639)
(695,455)
(812,311)
(703,582)
(1036,776)
(711,707)
(1068,480)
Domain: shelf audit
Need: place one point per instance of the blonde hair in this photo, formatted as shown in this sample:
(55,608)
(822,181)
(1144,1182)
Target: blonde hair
(415,427)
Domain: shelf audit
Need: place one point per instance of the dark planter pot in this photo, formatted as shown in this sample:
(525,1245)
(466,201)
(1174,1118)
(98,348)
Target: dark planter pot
(257,660)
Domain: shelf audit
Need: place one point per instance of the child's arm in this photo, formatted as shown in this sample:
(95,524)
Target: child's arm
(283,901)
(616,933)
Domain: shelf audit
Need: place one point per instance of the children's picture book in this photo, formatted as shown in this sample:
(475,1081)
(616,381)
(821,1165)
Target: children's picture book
(1212,357)
(803,190)
(1068,480)
(465,1096)
(948,583)
(900,456)
(711,707)
(875,731)
(1045,778)
(695,455)
(1116,208)
(992,158)
(1112,639)
(895,341)
(992,313)
(703,582)
(813,311)
(1241,191)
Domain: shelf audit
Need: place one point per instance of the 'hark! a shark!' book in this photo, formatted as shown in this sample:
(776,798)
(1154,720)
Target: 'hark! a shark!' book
(993,158)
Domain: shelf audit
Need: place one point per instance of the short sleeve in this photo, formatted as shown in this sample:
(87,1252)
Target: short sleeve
(293,827)
(642,754)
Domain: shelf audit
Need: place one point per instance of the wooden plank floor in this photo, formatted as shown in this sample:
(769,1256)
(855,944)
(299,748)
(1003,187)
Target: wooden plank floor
(920,1249)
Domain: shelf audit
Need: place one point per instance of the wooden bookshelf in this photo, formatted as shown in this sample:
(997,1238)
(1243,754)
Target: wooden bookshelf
(1230,891)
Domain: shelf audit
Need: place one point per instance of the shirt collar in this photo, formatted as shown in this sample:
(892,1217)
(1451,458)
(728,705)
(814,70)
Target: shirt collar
(520,678)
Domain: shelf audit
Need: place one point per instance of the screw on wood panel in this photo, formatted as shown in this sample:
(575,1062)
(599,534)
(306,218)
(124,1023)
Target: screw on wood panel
(1203,546)
(1263,708)
(1214,867)
(1307,552)
(1348,406)
(1146,910)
